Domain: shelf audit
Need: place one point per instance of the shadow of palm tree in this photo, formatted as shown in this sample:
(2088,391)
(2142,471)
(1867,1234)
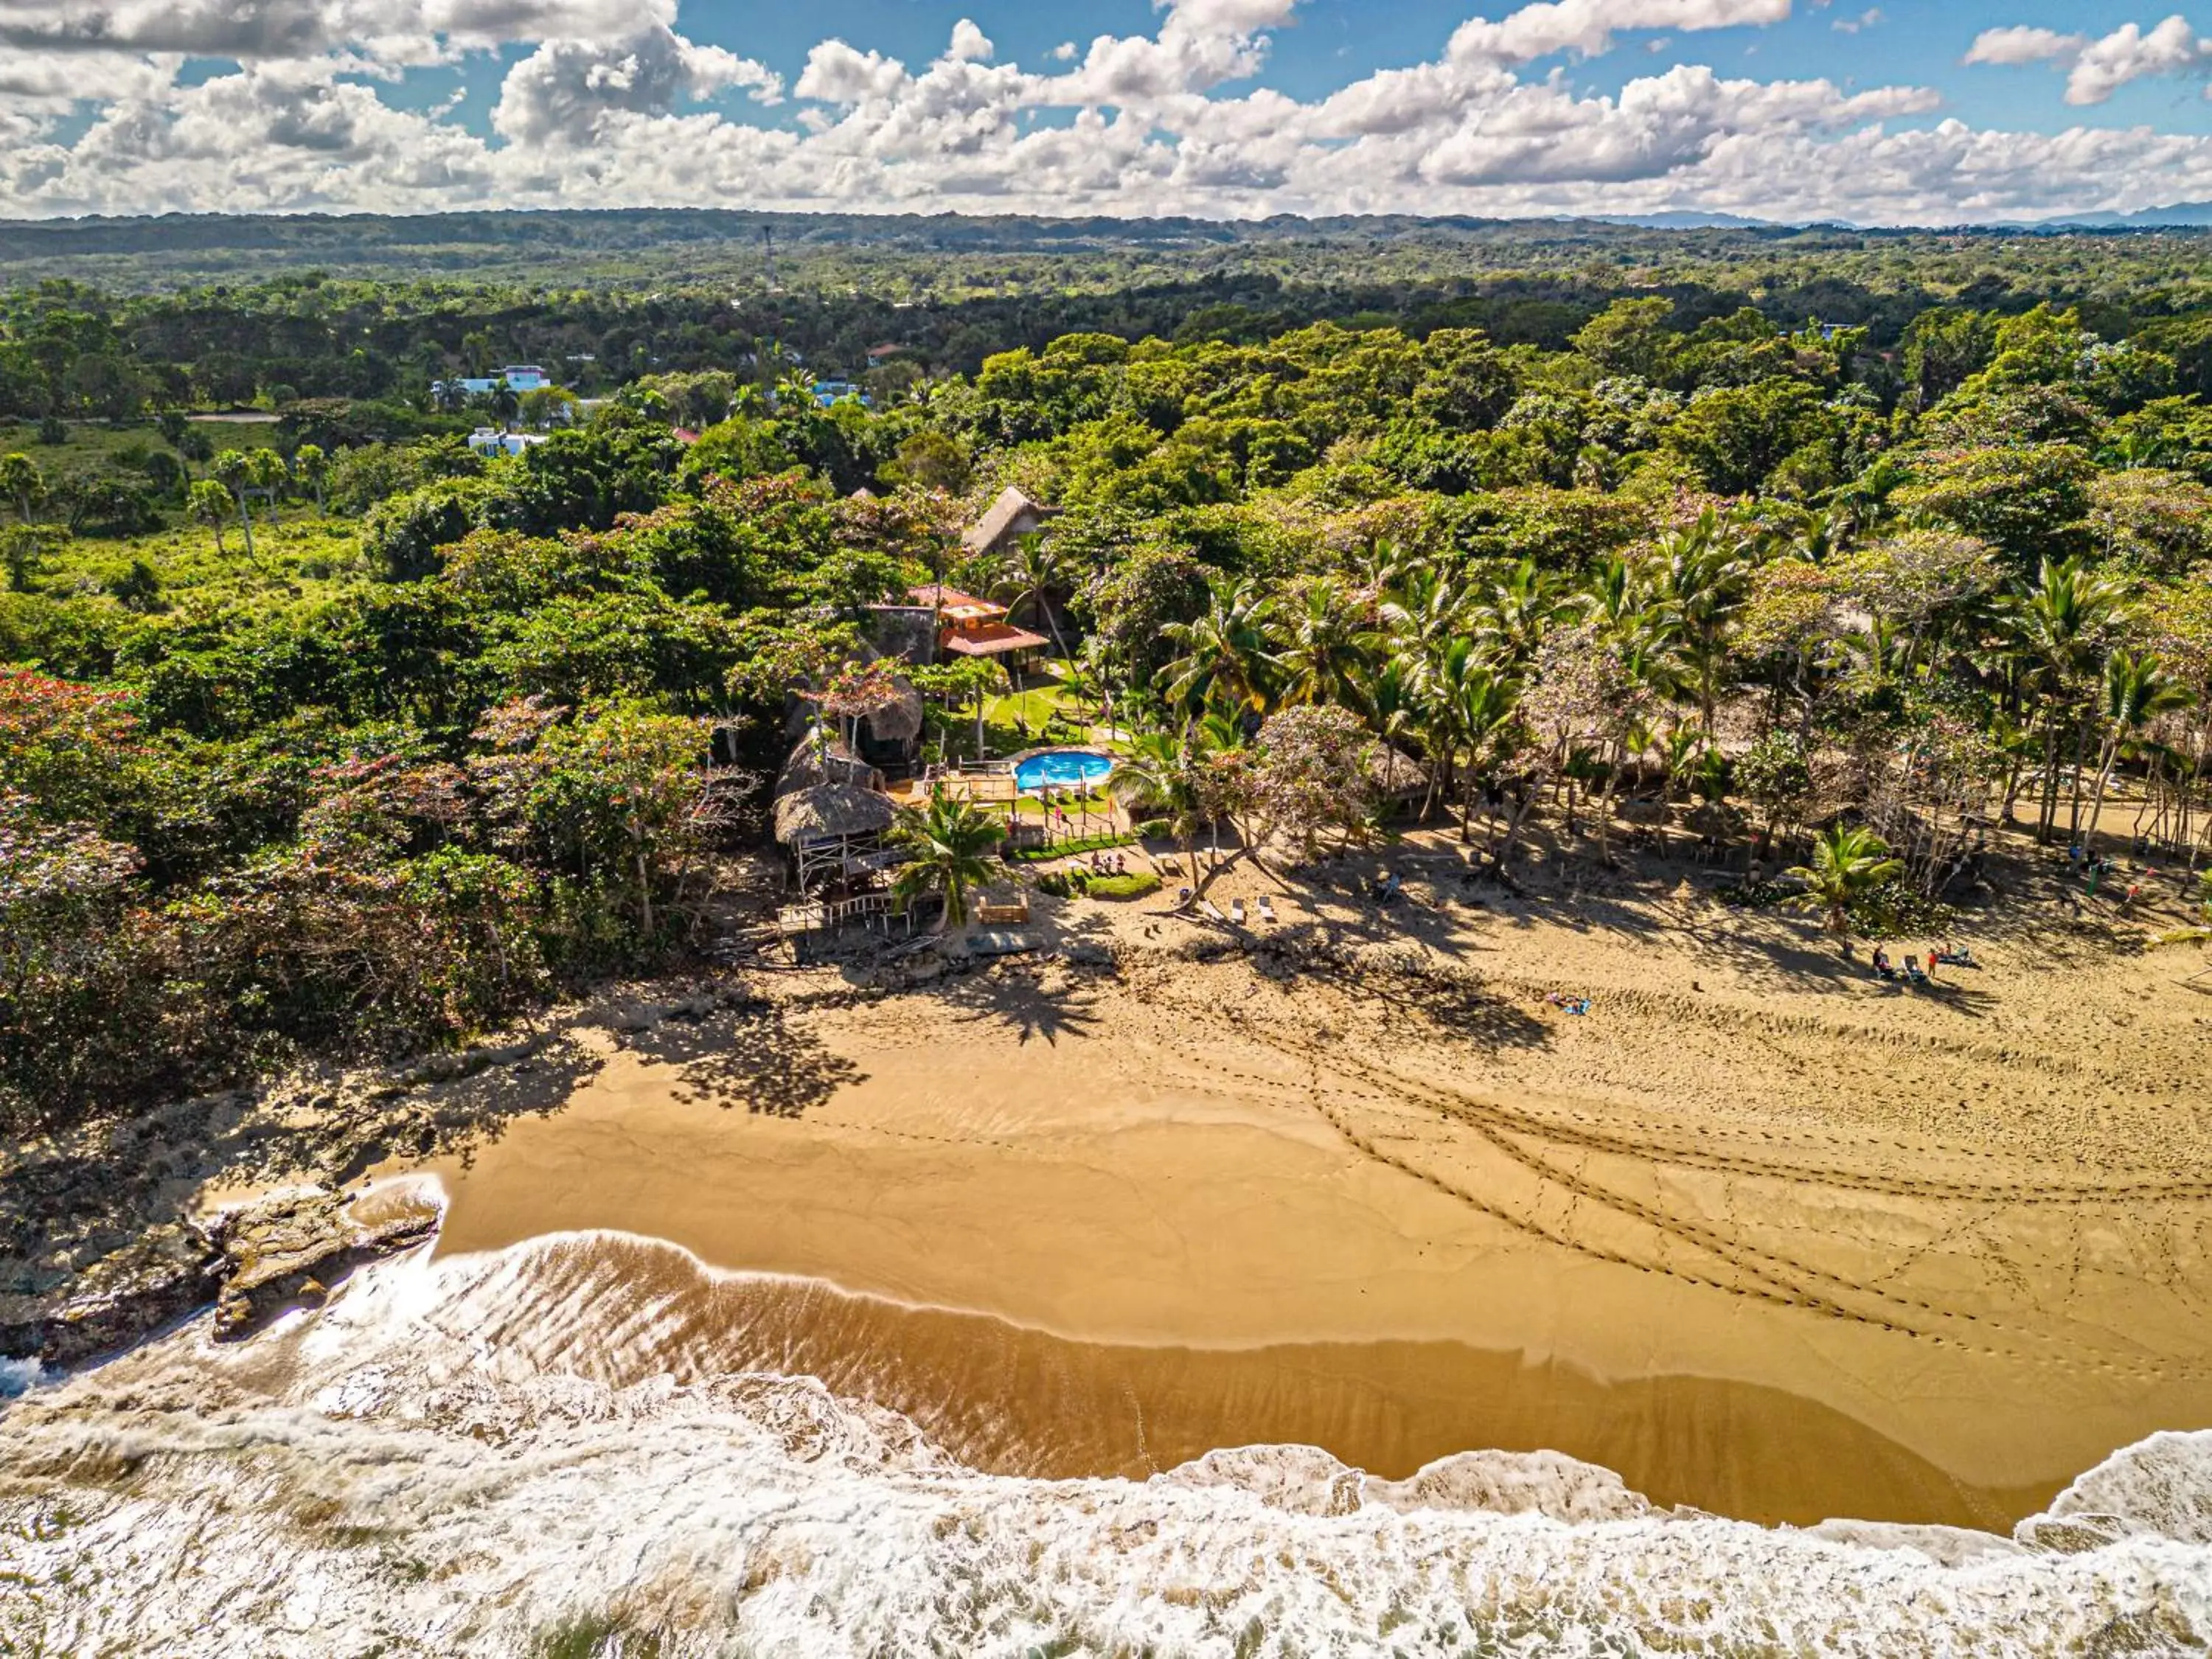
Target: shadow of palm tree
(751,1057)
(1019,1003)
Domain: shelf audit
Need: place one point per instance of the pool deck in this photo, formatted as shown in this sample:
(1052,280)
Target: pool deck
(998,788)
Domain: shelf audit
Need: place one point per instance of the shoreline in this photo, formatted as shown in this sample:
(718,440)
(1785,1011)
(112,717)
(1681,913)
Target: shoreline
(1743,1177)
(1238,1155)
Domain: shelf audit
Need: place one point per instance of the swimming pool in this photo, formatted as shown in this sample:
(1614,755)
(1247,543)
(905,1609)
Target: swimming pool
(1066,769)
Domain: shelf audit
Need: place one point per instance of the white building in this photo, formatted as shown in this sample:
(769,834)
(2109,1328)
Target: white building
(491,441)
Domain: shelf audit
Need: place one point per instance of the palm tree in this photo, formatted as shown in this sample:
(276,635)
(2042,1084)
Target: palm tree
(1704,580)
(1326,643)
(1848,862)
(1424,607)
(2056,623)
(2137,690)
(314,471)
(210,504)
(1028,575)
(1483,707)
(949,840)
(1512,622)
(23,482)
(1223,652)
(1161,776)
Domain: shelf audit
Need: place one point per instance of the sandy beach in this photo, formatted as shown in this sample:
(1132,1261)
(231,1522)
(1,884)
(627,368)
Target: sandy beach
(1764,1235)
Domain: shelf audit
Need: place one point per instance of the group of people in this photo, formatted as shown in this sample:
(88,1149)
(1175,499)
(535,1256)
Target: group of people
(1941,956)
(2094,867)
(1109,864)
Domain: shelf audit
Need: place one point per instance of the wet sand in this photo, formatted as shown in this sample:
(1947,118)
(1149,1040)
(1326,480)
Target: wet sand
(1775,1250)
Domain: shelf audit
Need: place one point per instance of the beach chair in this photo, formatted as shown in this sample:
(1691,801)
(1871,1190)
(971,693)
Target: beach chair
(1236,911)
(1212,910)
(1268,911)
(1912,971)
(1182,898)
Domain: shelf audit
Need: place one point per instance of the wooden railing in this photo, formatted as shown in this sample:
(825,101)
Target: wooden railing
(823,915)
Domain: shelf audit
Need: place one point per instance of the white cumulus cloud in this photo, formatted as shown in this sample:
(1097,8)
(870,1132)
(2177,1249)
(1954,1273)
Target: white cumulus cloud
(2099,66)
(615,102)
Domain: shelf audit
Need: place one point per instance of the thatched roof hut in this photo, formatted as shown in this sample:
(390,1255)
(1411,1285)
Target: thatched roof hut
(809,765)
(1012,516)
(829,811)
(898,722)
(1392,773)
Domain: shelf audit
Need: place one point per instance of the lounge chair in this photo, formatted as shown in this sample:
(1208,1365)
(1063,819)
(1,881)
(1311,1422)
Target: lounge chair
(1268,910)
(1912,971)
(1236,911)
(1955,957)
(1212,910)
(1182,898)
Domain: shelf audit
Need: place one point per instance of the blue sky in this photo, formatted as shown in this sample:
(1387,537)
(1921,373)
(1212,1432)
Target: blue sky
(1333,41)
(1907,112)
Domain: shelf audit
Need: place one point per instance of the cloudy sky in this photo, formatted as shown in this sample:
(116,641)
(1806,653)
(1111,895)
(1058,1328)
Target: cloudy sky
(1904,111)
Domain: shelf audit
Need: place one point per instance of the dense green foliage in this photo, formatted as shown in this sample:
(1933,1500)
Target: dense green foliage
(335,732)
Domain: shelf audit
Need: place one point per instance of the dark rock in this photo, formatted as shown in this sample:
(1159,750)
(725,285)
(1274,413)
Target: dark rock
(153,1280)
(284,1252)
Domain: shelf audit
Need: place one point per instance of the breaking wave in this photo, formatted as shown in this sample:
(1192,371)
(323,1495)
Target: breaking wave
(547,1450)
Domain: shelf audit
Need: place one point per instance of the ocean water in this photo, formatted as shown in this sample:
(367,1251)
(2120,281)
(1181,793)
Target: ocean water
(535,1451)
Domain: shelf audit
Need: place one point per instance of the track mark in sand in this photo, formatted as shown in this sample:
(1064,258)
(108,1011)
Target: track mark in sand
(1653,1145)
(1755,1272)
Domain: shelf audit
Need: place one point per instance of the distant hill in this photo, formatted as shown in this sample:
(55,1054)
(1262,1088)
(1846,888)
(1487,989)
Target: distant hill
(1687,219)
(2180,215)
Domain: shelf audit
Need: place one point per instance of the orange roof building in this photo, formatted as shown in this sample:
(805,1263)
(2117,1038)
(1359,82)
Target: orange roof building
(973,627)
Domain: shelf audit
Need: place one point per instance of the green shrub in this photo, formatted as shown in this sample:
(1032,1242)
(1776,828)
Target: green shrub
(1897,910)
(1066,849)
(1138,883)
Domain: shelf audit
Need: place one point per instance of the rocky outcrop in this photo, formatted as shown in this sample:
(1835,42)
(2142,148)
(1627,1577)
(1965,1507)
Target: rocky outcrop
(286,1251)
(254,1262)
(111,1302)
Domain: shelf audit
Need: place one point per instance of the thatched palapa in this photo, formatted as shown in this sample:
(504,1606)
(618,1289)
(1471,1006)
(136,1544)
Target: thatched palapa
(1392,773)
(898,722)
(830,811)
(1013,515)
(812,764)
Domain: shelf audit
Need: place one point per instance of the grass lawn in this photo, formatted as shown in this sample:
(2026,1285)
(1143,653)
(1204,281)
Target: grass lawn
(1098,804)
(1036,706)
(96,445)
(299,552)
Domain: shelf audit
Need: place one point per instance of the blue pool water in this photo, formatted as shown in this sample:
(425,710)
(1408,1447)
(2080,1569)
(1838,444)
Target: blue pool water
(1062,771)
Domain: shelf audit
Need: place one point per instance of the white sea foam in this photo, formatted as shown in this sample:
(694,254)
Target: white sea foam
(421,1470)
(19,1376)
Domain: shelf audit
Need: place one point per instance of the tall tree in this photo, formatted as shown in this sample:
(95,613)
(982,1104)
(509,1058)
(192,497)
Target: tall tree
(23,482)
